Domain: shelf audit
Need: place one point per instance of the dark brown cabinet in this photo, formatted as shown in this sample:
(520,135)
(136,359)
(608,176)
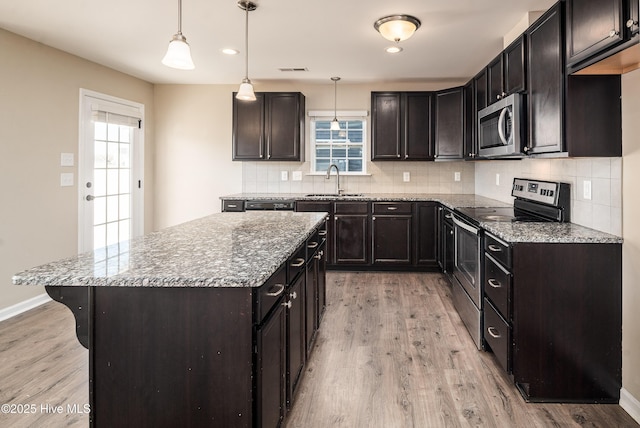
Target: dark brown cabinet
(296,334)
(506,73)
(425,236)
(327,207)
(351,233)
(553,318)
(449,124)
(401,126)
(270,128)
(480,87)
(558,121)
(391,233)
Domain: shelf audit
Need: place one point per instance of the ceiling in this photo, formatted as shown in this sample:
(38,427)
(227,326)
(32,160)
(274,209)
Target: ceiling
(328,37)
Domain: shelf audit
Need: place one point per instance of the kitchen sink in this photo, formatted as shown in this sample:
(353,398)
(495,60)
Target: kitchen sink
(334,195)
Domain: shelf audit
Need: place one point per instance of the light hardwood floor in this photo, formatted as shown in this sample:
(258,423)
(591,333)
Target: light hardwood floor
(391,352)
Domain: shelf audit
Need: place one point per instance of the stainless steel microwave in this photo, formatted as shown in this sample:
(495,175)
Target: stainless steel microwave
(500,128)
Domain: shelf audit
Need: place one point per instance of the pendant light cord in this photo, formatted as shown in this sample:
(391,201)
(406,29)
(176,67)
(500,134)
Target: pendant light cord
(335,99)
(179,16)
(246,42)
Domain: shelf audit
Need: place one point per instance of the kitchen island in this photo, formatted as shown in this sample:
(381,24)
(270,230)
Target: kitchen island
(186,326)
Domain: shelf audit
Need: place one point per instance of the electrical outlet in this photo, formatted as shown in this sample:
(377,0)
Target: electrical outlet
(296,175)
(66,159)
(66,179)
(587,189)
(456,176)
(406,176)
(284,175)
(497,179)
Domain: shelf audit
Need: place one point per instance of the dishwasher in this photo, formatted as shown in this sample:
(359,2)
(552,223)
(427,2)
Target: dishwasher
(237,205)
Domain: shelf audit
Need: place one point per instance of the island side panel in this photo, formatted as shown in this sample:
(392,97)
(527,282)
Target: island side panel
(171,357)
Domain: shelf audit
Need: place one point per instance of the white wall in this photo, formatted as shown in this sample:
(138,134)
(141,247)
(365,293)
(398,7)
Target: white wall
(39,104)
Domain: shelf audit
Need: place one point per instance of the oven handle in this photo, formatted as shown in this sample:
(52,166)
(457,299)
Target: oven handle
(465,226)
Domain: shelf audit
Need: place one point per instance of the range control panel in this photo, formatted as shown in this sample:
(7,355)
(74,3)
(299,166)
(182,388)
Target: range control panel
(546,192)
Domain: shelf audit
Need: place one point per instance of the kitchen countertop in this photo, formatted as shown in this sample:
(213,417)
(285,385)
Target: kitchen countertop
(516,232)
(220,250)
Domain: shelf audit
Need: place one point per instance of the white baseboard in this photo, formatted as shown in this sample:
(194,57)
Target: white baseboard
(630,404)
(21,307)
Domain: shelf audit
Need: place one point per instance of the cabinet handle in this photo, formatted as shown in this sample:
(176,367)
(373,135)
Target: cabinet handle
(392,208)
(495,284)
(448,216)
(287,304)
(312,244)
(493,332)
(398,156)
(232,206)
(318,256)
(373,218)
(498,96)
(451,232)
(276,293)
(293,295)
(322,233)
(631,23)
(495,248)
(613,33)
(297,263)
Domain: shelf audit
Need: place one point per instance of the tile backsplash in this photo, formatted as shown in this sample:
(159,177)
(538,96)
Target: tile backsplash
(382,177)
(602,212)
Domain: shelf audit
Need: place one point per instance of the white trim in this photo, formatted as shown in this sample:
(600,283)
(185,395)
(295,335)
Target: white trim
(342,114)
(630,404)
(24,306)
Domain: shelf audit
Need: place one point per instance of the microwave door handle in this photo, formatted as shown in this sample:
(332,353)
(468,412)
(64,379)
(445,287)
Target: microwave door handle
(503,113)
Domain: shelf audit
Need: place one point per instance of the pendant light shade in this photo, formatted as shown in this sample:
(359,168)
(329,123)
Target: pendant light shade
(245,92)
(179,53)
(397,28)
(335,124)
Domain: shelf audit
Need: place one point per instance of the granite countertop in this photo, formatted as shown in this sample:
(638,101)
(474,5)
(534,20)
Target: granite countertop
(507,231)
(221,250)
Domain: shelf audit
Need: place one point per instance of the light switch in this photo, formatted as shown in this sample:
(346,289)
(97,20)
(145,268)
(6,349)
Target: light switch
(66,159)
(587,189)
(66,179)
(296,175)
(456,176)
(284,175)
(406,176)
(497,179)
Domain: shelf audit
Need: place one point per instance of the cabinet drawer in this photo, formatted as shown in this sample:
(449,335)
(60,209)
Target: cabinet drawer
(392,207)
(230,205)
(296,262)
(352,208)
(498,250)
(497,286)
(497,334)
(270,294)
(313,206)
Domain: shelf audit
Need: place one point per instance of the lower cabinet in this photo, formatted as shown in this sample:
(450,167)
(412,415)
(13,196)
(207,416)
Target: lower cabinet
(351,233)
(296,335)
(426,234)
(391,233)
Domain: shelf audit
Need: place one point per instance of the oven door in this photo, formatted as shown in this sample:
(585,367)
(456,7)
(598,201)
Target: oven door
(466,268)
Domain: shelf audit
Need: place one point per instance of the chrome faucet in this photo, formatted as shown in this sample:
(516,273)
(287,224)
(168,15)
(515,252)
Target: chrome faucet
(333,165)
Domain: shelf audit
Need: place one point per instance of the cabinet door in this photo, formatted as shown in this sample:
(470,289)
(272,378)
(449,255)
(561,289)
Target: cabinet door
(514,59)
(450,124)
(470,121)
(284,114)
(480,87)
(545,82)
(270,370)
(495,78)
(315,206)
(321,282)
(418,135)
(248,129)
(391,236)
(311,303)
(592,26)
(296,337)
(351,239)
(386,125)
(426,234)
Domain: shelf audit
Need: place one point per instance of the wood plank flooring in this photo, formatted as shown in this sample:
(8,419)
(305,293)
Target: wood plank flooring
(391,352)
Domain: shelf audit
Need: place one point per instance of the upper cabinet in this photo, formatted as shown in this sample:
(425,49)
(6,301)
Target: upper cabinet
(270,128)
(450,124)
(401,126)
(506,74)
(599,28)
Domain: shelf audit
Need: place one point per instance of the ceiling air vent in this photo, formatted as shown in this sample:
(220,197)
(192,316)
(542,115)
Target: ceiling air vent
(293,69)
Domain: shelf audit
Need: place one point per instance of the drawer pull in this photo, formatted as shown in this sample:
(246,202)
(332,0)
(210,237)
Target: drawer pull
(312,244)
(495,284)
(449,216)
(280,288)
(392,208)
(322,233)
(495,248)
(232,205)
(297,263)
(493,332)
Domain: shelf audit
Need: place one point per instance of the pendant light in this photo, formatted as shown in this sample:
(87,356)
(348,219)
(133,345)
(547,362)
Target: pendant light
(179,53)
(335,124)
(246,88)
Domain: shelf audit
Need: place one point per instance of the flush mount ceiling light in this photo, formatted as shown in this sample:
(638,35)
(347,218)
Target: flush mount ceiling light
(397,27)
(179,53)
(246,87)
(335,124)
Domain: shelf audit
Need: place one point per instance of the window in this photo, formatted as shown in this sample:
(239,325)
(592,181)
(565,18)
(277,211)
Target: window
(346,148)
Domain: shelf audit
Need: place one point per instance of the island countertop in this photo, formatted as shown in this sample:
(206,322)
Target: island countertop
(220,250)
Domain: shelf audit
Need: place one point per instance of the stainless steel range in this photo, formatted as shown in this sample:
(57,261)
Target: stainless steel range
(535,201)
